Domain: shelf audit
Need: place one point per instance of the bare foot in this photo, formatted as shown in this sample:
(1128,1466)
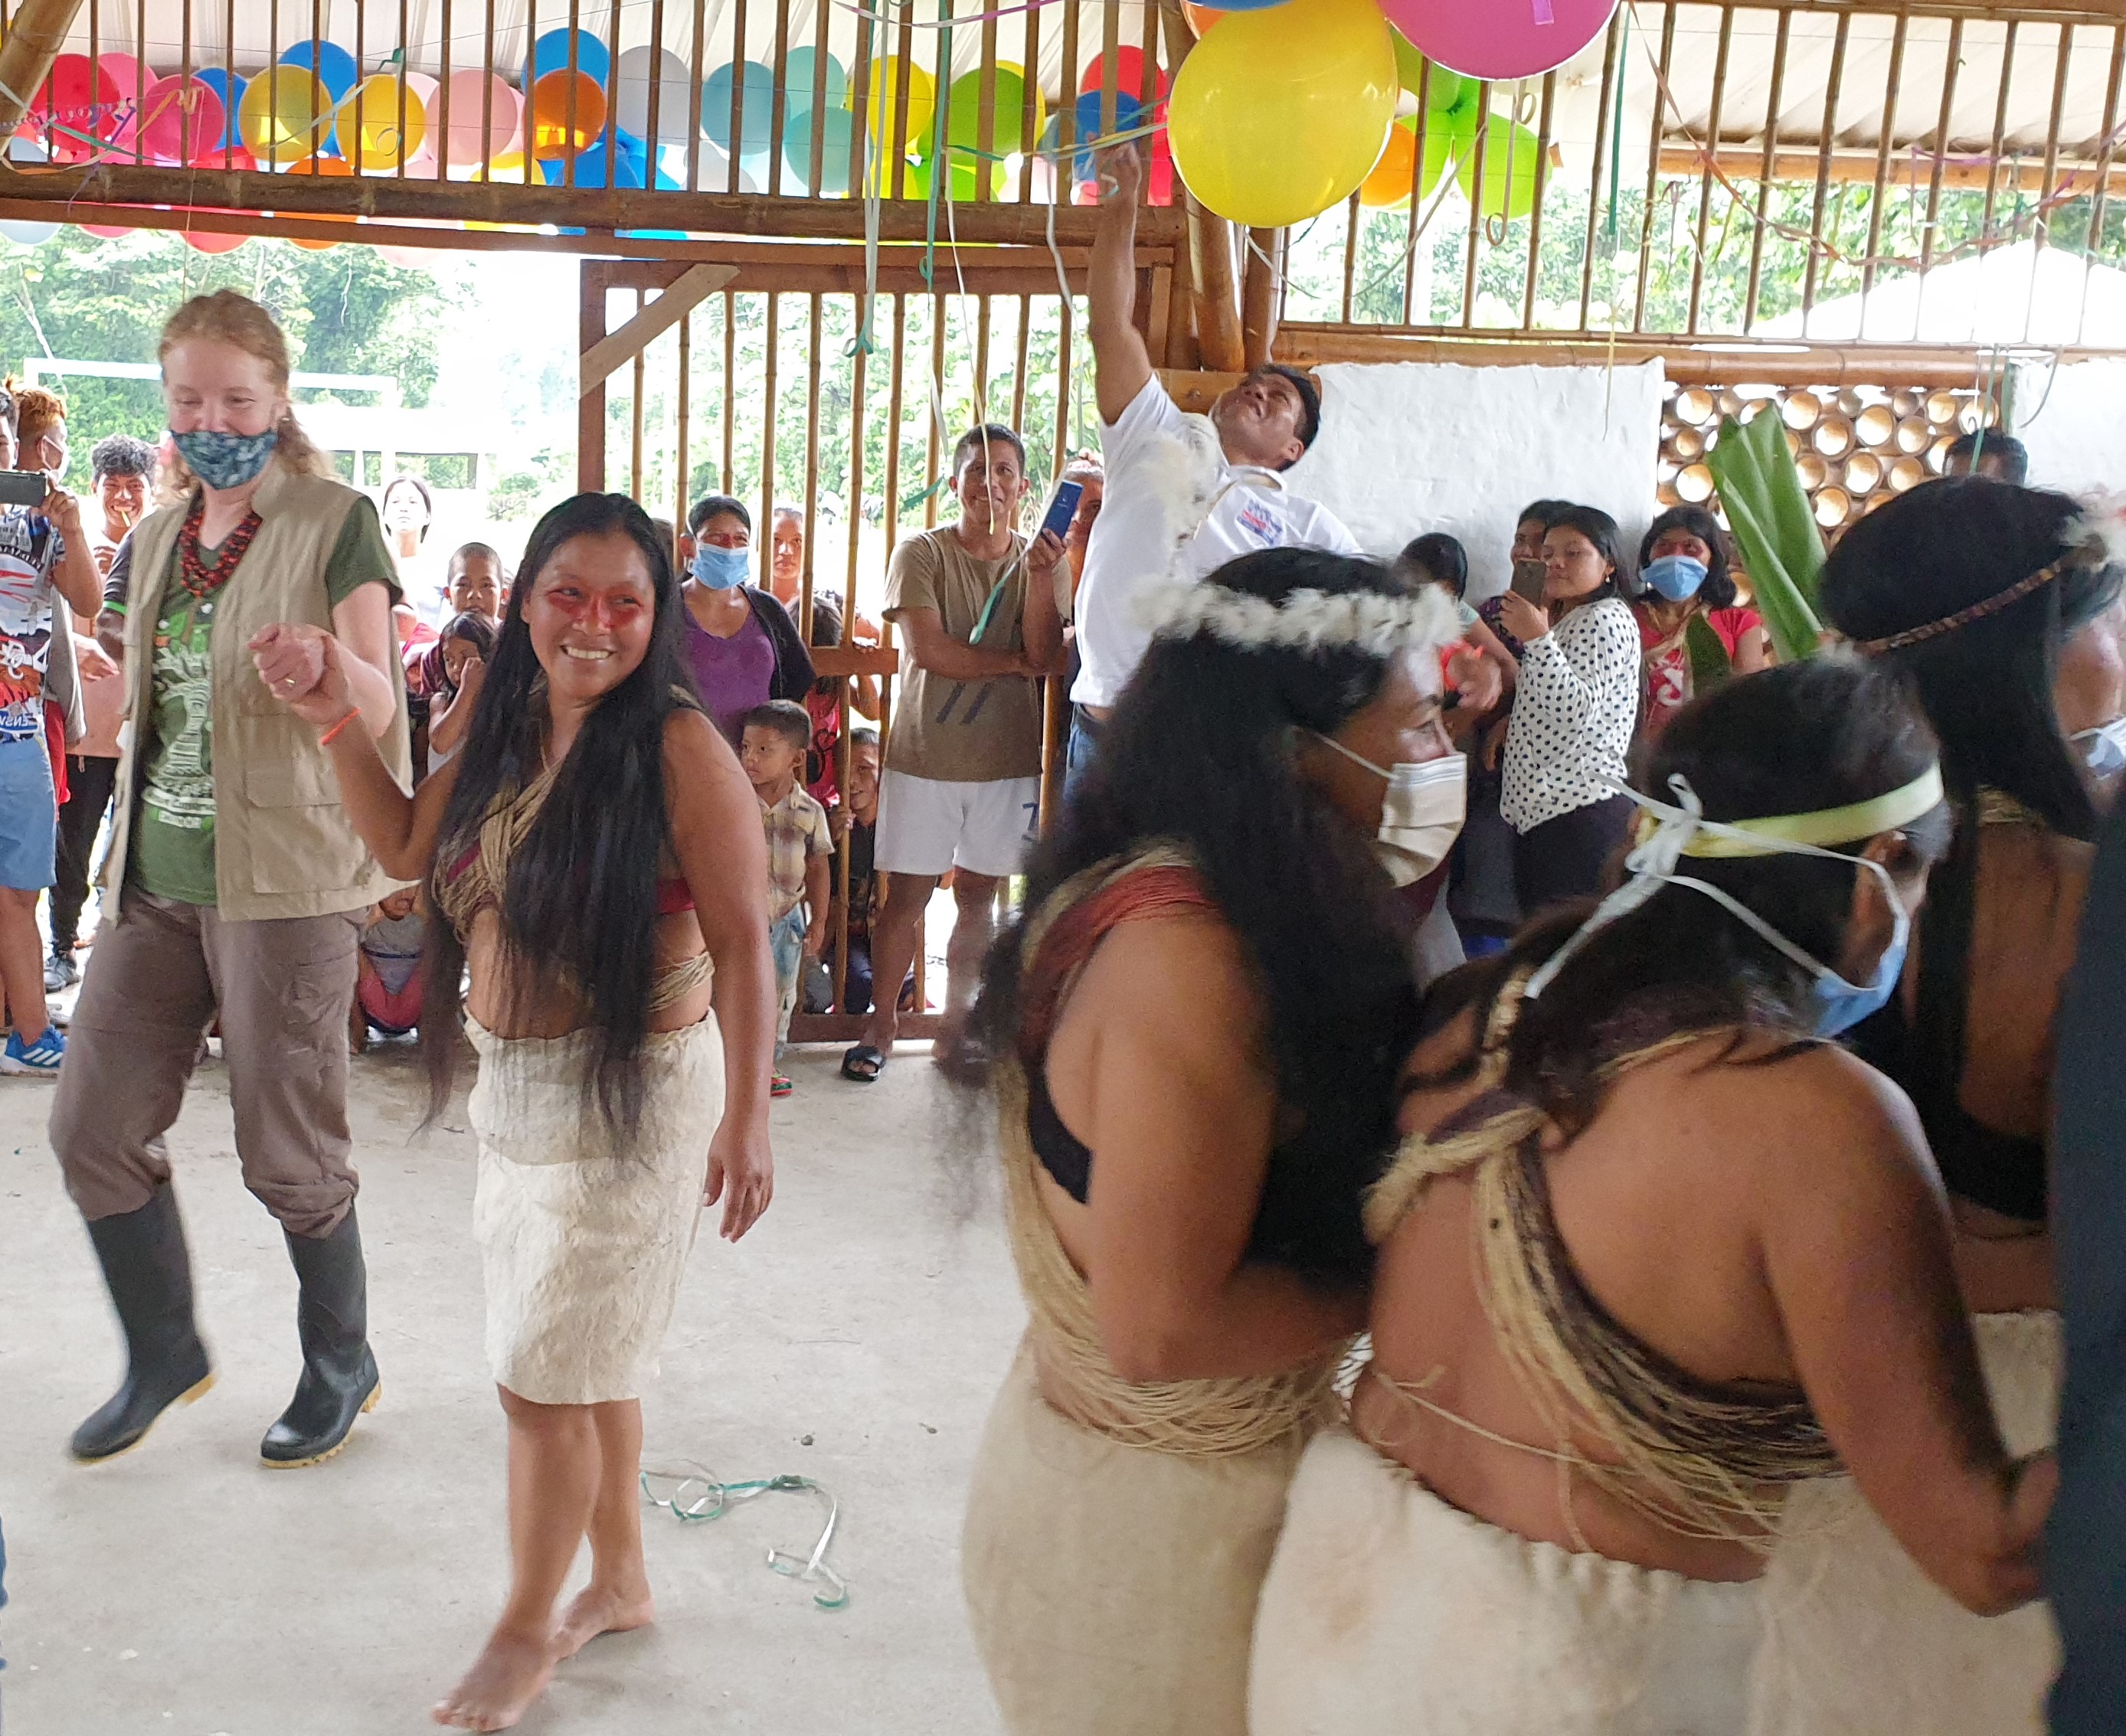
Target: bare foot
(601,1610)
(511,1672)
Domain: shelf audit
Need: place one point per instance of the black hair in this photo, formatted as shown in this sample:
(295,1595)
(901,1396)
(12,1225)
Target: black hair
(1438,560)
(476,631)
(579,910)
(1310,399)
(712,505)
(1202,753)
(421,488)
(863,735)
(1718,590)
(1602,530)
(2013,456)
(787,717)
(1987,688)
(982,435)
(122,455)
(1541,512)
(1799,738)
(472,551)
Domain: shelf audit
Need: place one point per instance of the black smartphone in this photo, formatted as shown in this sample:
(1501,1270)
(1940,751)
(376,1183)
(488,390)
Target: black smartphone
(23,487)
(1528,579)
(1063,508)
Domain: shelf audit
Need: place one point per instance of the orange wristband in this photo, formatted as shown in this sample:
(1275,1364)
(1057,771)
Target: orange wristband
(326,739)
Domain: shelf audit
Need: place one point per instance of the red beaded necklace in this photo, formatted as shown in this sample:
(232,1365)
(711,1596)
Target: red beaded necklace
(195,574)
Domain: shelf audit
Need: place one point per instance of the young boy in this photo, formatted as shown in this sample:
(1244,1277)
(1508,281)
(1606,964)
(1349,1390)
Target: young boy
(387,985)
(799,848)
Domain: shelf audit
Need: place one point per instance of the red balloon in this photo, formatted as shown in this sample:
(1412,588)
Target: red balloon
(1501,38)
(207,242)
(1129,81)
(104,231)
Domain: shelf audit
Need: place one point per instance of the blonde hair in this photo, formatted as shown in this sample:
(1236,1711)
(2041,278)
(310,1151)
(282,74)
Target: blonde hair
(226,317)
(36,411)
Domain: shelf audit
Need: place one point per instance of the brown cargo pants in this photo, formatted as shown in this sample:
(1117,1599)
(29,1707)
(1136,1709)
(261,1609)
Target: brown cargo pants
(159,976)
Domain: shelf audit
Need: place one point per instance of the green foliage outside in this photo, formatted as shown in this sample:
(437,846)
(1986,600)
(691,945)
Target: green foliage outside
(84,299)
(1621,236)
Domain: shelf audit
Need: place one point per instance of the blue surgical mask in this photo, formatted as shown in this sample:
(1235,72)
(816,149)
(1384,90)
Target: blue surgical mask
(1675,577)
(719,568)
(1838,1005)
(225,460)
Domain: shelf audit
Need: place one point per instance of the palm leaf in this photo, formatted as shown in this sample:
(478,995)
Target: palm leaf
(1774,529)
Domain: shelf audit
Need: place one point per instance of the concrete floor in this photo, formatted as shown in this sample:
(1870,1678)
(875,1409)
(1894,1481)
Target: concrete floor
(183,1590)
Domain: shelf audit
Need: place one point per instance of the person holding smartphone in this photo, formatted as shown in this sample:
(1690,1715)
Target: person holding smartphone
(43,553)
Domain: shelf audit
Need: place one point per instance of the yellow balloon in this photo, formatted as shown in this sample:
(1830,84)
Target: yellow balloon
(367,127)
(884,98)
(285,115)
(1279,114)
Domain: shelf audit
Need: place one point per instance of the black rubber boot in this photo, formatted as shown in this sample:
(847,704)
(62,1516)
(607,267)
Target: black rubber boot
(339,1379)
(150,1278)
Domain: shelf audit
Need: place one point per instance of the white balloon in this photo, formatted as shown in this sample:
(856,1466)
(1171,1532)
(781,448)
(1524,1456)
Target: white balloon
(29,235)
(632,75)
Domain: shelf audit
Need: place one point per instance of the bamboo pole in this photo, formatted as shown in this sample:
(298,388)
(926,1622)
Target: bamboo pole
(35,34)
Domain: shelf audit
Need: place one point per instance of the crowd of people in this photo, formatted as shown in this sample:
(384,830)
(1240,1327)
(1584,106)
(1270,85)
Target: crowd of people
(1384,975)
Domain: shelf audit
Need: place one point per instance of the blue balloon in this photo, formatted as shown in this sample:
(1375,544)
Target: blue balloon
(1129,113)
(797,73)
(838,136)
(336,68)
(550,53)
(227,86)
(757,122)
(617,159)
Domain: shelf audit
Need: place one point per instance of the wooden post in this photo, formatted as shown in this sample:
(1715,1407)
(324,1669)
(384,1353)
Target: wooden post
(36,33)
(1259,309)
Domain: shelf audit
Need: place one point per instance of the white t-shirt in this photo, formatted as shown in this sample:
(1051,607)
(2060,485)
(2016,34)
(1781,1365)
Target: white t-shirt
(1143,451)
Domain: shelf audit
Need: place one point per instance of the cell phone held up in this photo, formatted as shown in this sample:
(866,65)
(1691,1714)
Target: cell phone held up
(1528,580)
(23,487)
(1063,508)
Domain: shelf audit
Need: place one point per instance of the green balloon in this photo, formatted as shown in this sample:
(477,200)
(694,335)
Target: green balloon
(1448,91)
(1510,154)
(1449,140)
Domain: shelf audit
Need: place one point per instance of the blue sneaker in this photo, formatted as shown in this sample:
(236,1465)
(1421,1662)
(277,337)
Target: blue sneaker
(39,1059)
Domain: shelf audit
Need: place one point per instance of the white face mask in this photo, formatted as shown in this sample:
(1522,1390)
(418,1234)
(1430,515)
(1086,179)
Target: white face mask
(2104,749)
(1422,813)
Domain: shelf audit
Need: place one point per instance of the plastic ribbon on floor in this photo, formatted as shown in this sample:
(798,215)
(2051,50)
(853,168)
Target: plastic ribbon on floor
(690,1491)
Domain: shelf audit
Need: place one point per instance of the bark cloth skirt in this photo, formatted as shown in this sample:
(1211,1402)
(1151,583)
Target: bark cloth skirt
(1386,1609)
(583,1237)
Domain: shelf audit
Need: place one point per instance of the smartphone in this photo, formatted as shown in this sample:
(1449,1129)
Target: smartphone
(1063,508)
(1528,579)
(23,487)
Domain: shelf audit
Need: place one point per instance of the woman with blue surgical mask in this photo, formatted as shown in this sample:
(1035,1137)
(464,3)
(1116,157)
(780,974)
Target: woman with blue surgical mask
(1683,563)
(1658,1262)
(741,645)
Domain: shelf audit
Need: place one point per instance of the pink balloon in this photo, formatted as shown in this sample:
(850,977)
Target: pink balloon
(168,132)
(1500,38)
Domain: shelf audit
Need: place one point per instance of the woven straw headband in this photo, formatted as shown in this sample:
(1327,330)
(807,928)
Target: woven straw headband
(1963,617)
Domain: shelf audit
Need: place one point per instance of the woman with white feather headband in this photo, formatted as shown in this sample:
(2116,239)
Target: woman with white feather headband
(1192,1036)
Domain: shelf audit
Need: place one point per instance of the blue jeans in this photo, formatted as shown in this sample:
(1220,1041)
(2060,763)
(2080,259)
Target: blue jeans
(785,940)
(1078,753)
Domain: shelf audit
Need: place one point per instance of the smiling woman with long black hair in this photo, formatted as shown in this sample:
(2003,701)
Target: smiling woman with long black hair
(597,854)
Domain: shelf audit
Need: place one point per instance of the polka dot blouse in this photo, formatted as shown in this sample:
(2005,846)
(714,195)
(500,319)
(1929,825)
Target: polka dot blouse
(1573,714)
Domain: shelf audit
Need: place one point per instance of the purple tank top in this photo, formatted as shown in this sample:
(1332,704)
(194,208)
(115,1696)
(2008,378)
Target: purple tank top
(733,674)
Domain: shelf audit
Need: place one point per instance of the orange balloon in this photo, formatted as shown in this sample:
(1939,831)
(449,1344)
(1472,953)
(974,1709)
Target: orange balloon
(552,134)
(1390,181)
(1201,18)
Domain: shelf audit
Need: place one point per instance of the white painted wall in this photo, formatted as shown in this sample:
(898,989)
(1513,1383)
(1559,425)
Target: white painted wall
(1410,447)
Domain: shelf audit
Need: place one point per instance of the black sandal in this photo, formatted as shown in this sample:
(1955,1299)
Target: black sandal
(858,1059)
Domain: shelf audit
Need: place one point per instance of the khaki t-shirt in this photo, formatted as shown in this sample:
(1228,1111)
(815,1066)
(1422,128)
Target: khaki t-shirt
(963,732)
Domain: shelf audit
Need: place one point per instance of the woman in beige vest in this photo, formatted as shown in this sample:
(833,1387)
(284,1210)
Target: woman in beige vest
(1195,1033)
(238,883)
(597,857)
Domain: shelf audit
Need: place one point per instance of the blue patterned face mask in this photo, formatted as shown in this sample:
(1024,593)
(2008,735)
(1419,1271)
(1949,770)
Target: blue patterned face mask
(225,460)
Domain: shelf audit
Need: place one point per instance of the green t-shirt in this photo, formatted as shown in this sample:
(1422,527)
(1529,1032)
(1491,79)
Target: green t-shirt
(173,829)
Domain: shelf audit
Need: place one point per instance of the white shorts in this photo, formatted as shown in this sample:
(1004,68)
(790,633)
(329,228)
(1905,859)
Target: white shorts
(926,826)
